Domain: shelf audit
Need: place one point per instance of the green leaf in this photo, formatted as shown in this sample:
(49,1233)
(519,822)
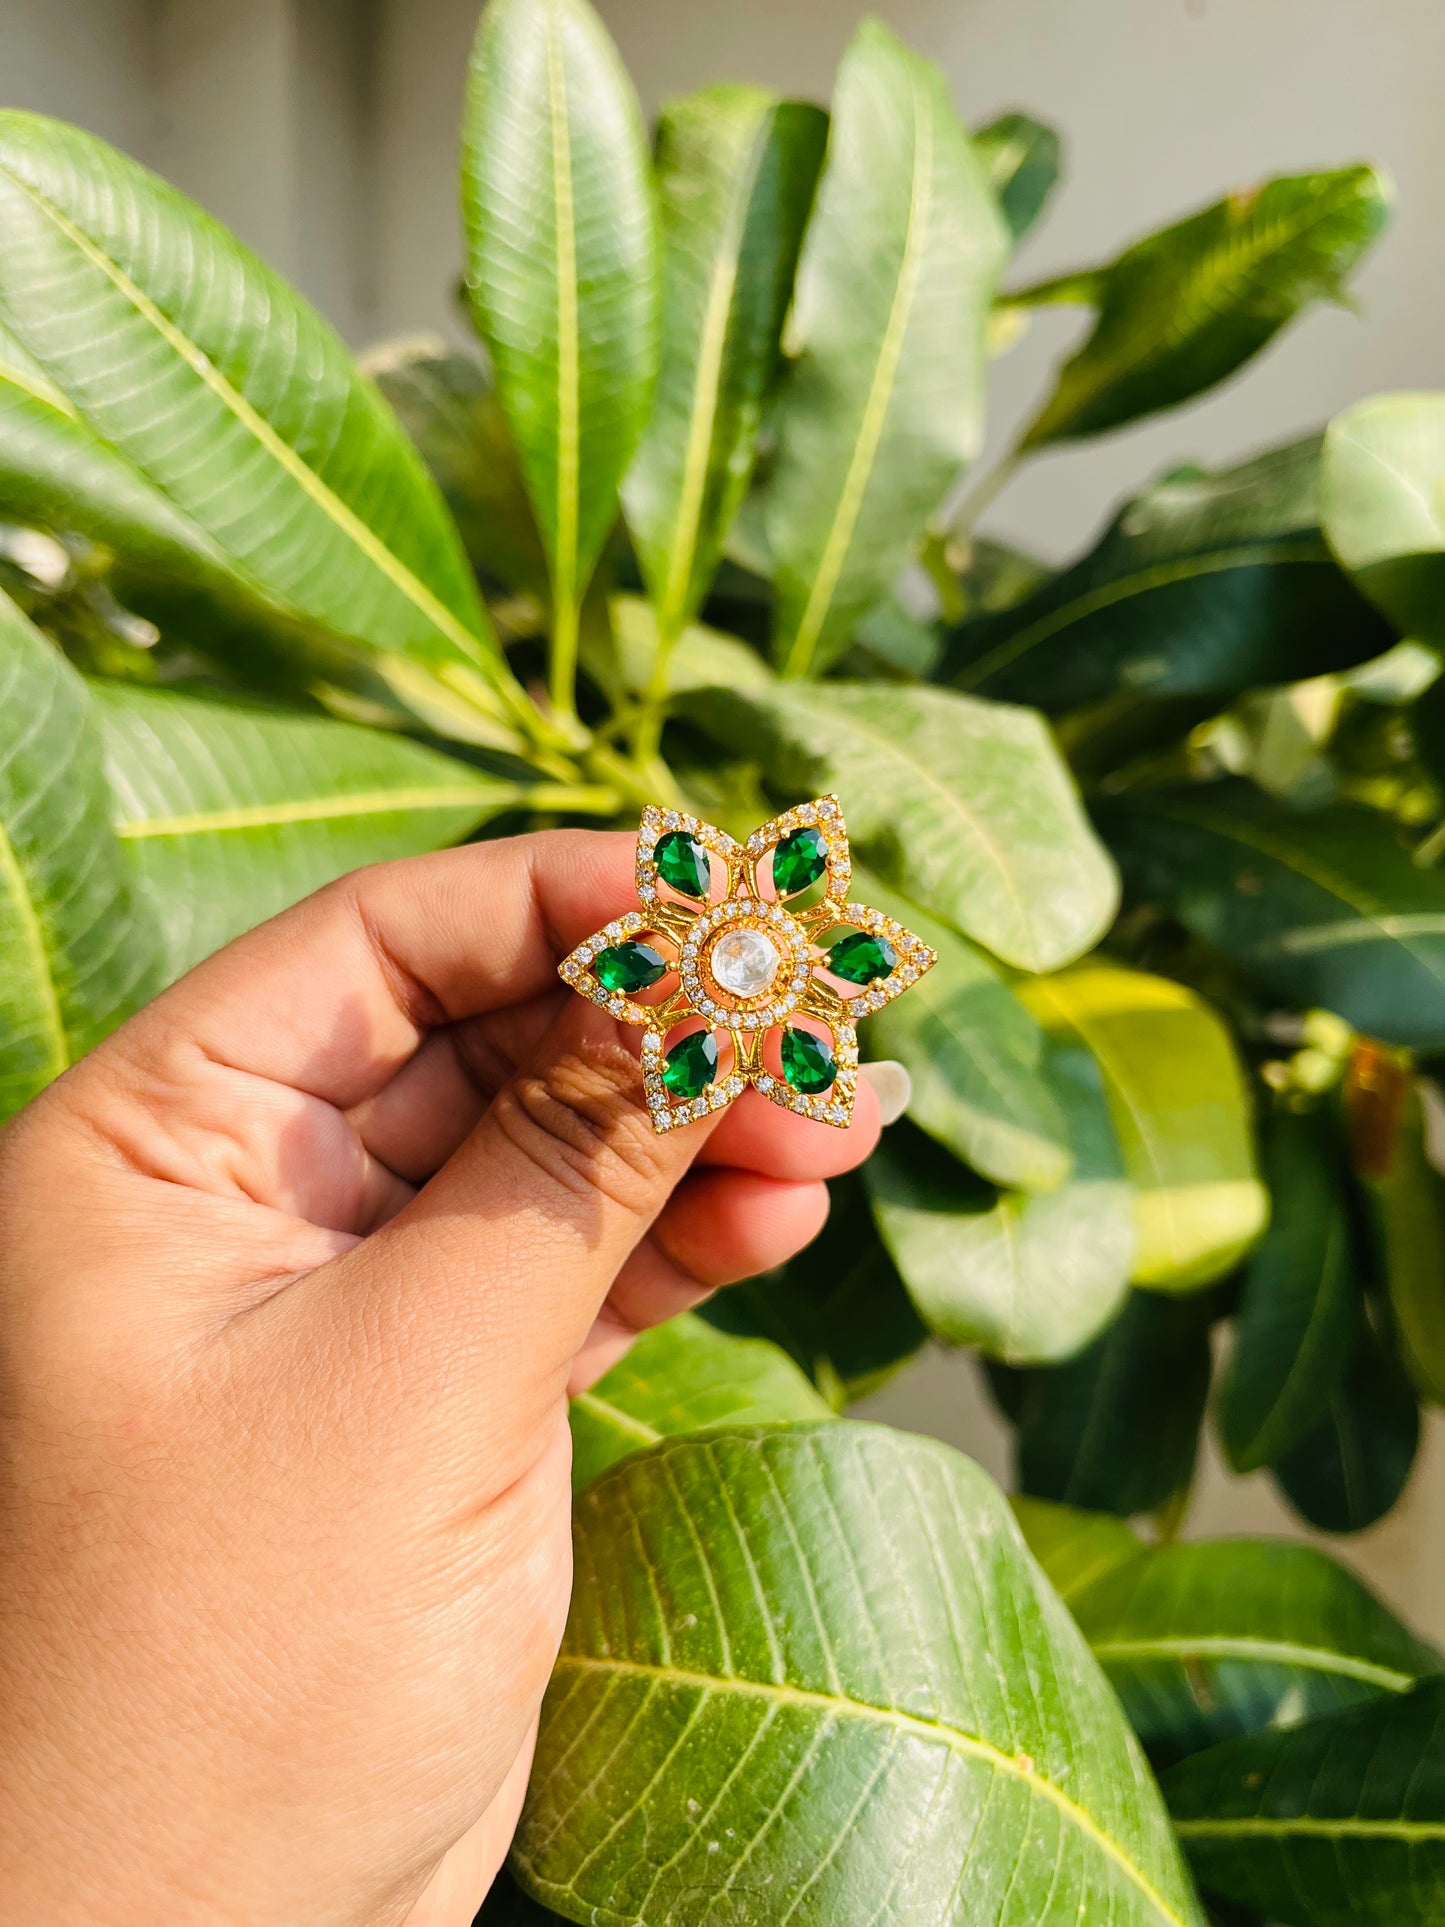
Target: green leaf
(447,404)
(736,171)
(1028,1276)
(1299,1315)
(1207,584)
(700,658)
(965,806)
(1117,1428)
(1410,1214)
(1206,1642)
(790,1651)
(562,272)
(1181,1112)
(974,1056)
(685,1376)
(231,811)
(1349,1471)
(1074,1548)
(884,405)
(1337,1823)
(238,404)
(1322,909)
(1382,489)
(1184,308)
(78,946)
(1020,160)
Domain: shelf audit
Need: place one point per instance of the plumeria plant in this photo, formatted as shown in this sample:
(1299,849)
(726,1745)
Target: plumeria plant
(686,535)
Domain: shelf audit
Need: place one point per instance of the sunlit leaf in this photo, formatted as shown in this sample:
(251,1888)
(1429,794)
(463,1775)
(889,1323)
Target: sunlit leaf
(789,1650)
(1205,585)
(1020,158)
(884,405)
(1074,1547)
(1382,490)
(1184,308)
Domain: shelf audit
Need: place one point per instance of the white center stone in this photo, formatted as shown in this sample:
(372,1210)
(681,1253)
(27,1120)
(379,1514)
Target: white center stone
(744,962)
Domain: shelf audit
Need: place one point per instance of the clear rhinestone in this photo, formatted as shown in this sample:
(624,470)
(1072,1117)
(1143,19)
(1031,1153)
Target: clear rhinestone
(744,962)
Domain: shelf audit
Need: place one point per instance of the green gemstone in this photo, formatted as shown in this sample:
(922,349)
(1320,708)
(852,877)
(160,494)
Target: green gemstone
(682,862)
(628,966)
(807,1060)
(861,959)
(800,859)
(691,1066)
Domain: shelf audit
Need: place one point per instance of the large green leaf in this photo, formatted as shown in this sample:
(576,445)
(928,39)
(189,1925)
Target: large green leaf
(1180,1110)
(1320,908)
(736,170)
(1382,489)
(839,1309)
(1205,585)
(1074,1548)
(78,946)
(1410,1212)
(965,806)
(792,1655)
(1299,1315)
(1029,1277)
(685,1376)
(974,1057)
(1184,308)
(562,272)
(231,811)
(1020,159)
(884,405)
(1337,1823)
(239,405)
(1117,1428)
(447,404)
(1351,1468)
(1206,1642)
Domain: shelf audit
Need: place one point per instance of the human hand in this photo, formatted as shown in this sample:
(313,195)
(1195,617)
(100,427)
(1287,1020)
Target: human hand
(296,1271)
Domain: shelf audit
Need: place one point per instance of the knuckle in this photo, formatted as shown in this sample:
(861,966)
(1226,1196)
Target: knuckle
(582,1122)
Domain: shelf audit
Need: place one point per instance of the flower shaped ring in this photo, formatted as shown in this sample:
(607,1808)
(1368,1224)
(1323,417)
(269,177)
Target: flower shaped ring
(727,971)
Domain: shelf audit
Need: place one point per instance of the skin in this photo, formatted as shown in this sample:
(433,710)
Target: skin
(296,1272)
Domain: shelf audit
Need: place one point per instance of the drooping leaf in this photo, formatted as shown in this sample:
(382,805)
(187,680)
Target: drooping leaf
(965,806)
(884,405)
(1184,308)
(231,811)
(790,1650)
(1409,1198)
(685,1376)
(1207,584)
(447,404)
(562,269)
(1117,1428)
(839,1309)
(1074,1548)
(1180,1110)
(736,170)
(1205,1642)
(1336,1823)
(974,1056)
(1300,1311)
(1027,1276)
(239,405)
(1321,908)
(1350,1470)
(1020,159)
(79,949)
(1382,492)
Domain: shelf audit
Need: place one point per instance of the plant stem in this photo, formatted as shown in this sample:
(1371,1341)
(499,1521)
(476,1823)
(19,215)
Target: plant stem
(566,625)
(964,520)
(647,732)
(571,799)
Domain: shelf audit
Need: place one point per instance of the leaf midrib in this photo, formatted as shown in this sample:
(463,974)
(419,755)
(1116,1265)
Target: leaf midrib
(610,1414)
(841,1706)
(317,809)
(1265,1652)
(32,937)
(1311,1826)
(383,559)
(564,257)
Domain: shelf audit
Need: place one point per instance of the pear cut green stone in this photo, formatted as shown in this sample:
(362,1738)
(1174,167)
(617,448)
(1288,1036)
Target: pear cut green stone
(682,862)
(807,1060)
(628,966)
(861,959)
(691,1066)
(800,859)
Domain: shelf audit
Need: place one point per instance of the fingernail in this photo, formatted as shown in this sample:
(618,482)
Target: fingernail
(892,1087)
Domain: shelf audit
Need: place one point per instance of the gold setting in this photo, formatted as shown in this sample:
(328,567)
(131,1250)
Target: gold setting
(686,929)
